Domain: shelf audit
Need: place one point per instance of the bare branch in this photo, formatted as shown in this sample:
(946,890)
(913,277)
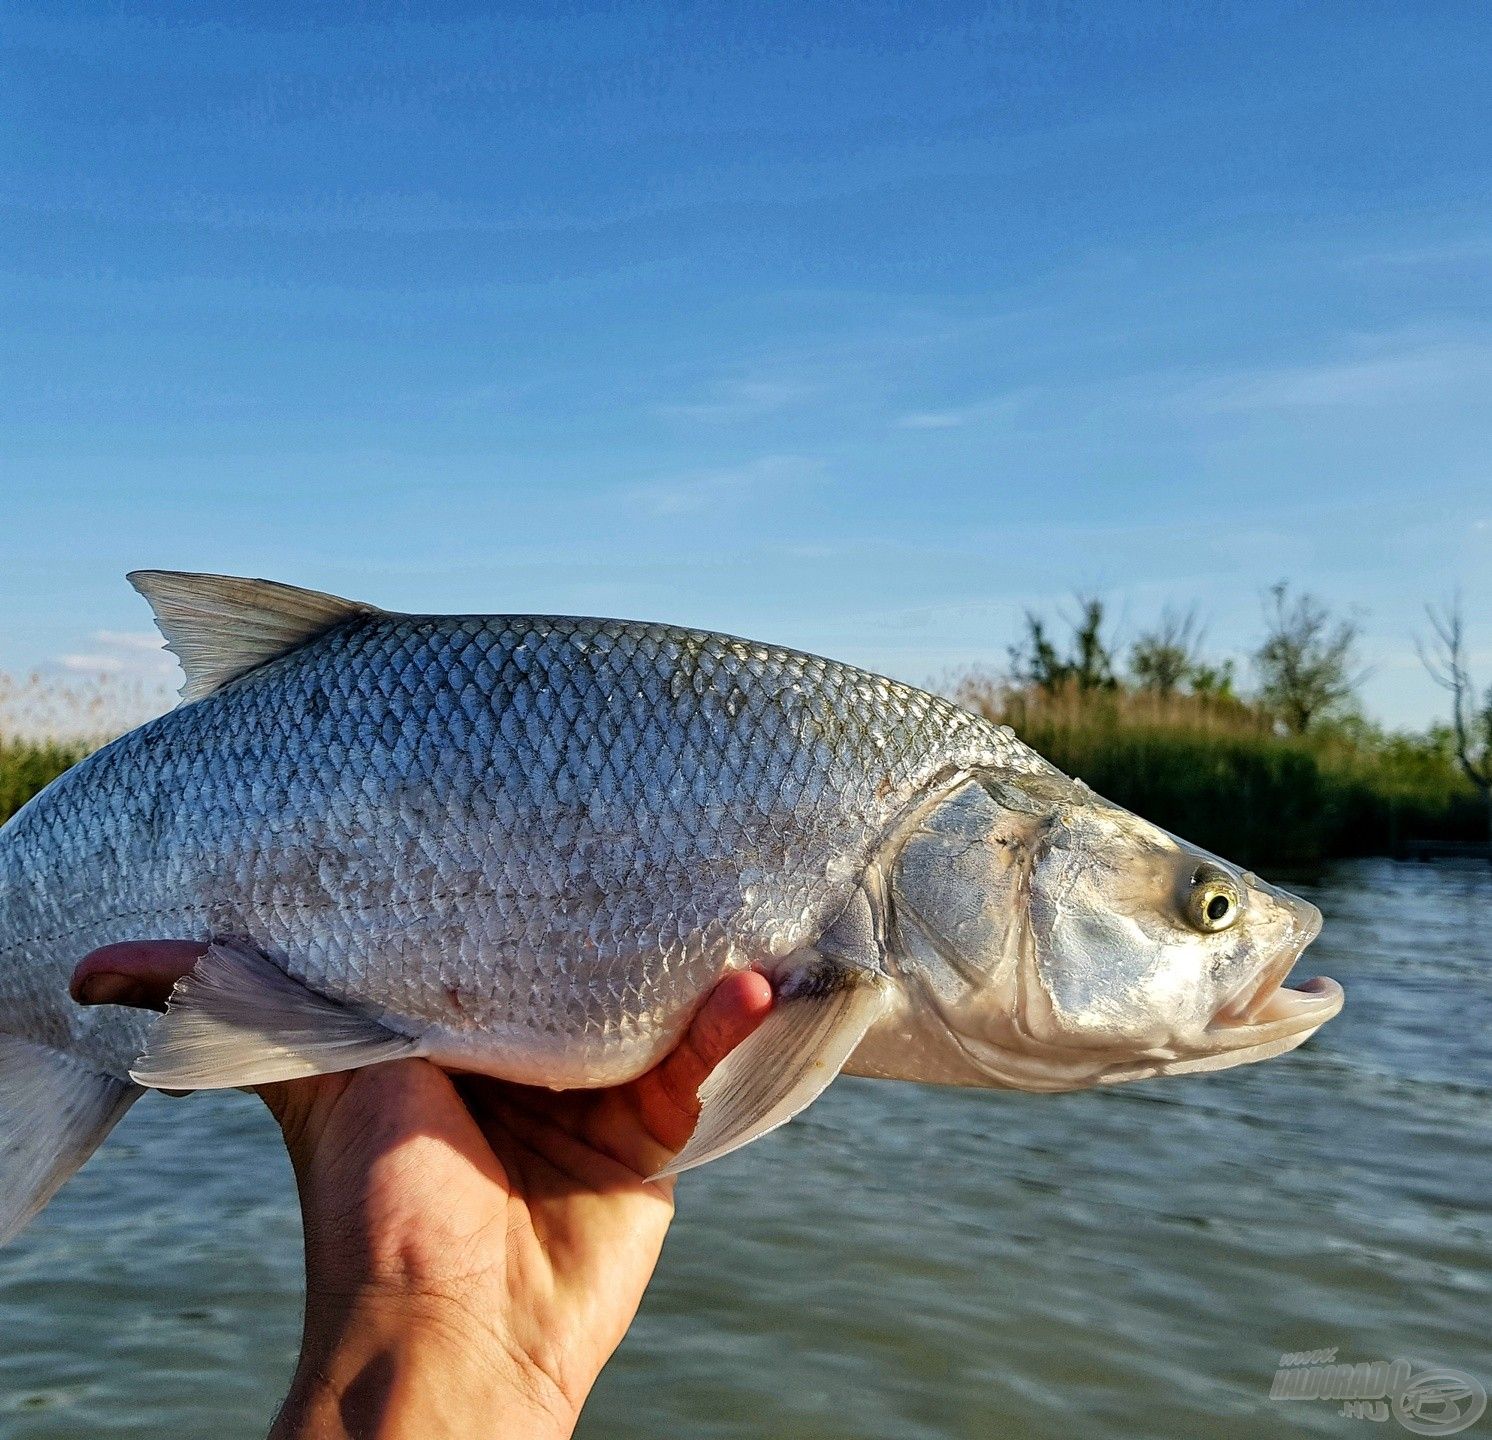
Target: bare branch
(1445,663)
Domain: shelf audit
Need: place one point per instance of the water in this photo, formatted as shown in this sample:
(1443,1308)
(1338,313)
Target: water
(902,1262)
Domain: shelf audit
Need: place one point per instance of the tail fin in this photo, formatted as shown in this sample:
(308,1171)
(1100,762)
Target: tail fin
(54,1112)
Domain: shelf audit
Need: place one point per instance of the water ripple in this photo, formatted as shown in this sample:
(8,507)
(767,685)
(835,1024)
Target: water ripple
(903,1263)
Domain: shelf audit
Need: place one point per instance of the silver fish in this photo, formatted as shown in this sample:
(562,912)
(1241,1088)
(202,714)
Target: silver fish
(529,846)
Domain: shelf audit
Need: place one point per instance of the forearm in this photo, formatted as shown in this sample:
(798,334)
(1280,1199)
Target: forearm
(374,1373)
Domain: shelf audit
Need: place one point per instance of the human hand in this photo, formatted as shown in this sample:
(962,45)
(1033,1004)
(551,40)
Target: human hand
(475,1250)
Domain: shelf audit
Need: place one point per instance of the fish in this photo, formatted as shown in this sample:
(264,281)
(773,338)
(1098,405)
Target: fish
(529,846)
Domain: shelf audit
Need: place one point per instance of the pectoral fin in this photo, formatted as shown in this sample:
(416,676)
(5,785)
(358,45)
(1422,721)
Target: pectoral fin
(239,1020)
(822,1011)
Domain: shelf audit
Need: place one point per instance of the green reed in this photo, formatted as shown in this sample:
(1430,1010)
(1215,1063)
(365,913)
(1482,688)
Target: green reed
(49,723)
(26,766)
(1215,770)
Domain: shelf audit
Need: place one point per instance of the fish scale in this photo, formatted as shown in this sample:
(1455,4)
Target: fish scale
(512,826)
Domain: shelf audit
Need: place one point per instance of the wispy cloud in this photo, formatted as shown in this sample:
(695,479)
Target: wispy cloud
(1474,248)
(736,400)
(135,654)
(996,407)
(1391,372)
(934,420)
(699,491)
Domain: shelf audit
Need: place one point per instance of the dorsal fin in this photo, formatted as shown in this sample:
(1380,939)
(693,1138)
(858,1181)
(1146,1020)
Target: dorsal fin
(221,627)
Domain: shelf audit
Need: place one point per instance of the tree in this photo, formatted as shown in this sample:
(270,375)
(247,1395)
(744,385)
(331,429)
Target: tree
(1306,663)
(1034,661)
(1088,664)
(1471,713)
(1214,681)
(1165,658)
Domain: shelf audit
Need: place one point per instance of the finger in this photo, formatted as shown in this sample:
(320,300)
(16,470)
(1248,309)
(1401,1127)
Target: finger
(138,973)
(642,1124)
(738,1004)
(669,1094)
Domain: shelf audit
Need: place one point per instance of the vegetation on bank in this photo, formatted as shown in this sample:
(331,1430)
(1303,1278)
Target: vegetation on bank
(48,724)
(1289,774)
(28,765)
(1221,774)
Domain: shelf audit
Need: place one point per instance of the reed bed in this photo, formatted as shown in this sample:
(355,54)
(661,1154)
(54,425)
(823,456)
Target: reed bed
(1217,770)
(48,724)
(1211,768)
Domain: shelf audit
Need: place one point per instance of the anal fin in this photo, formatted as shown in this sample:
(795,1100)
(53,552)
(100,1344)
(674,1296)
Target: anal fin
(54,1113)
(237,1019)
(823,1010)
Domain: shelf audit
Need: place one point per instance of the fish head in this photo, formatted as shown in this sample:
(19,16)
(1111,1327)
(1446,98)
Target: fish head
(1050,940)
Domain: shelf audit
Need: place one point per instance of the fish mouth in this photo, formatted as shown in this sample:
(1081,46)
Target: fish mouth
(1264,1018)
(1265,1009)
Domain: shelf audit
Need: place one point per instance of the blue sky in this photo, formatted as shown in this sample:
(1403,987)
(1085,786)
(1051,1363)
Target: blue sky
(861,328)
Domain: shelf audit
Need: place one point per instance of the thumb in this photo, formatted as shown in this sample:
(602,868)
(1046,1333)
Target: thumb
(137,973)
(668,1094)
(141,975)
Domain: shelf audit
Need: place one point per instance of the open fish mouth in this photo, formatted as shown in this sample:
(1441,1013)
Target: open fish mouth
(1264,1018)
(1266,1009)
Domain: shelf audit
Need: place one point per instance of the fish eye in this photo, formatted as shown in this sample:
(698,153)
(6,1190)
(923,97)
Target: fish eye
(1213,902)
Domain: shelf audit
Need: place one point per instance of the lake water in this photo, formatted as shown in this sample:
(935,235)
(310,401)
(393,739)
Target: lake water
(903,1262)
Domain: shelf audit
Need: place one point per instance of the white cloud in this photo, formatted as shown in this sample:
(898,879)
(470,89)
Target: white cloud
(996,407)
(137,654)
(737,400)
(699,491)
(1407,370)
(133,641)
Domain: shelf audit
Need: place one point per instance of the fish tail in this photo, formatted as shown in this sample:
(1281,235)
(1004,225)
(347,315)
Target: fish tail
(54,1113)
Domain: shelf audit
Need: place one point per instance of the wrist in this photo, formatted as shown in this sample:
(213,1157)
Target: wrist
(378,1367)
